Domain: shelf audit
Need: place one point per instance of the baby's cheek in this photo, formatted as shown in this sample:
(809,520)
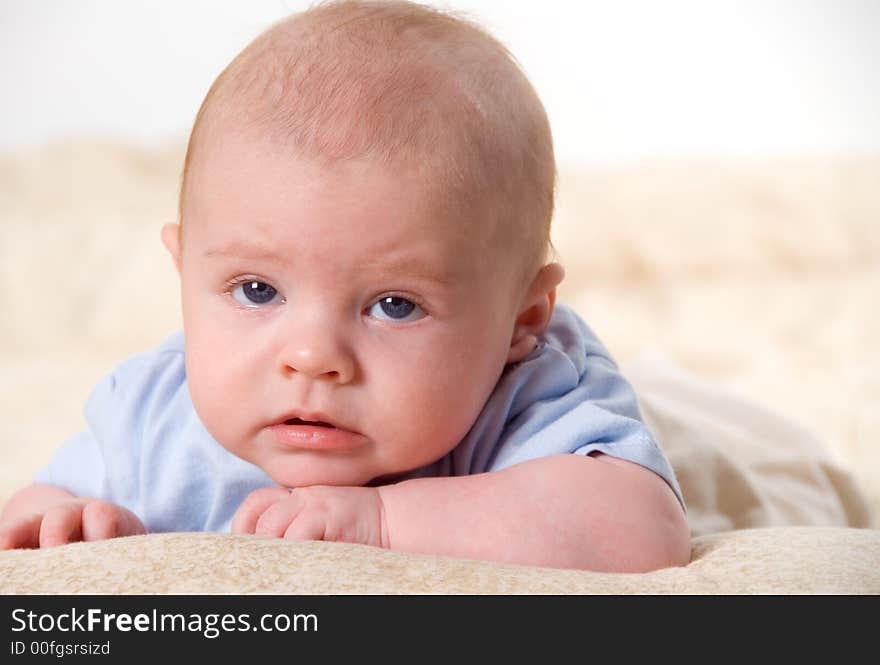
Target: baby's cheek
(440,418)
(216,410)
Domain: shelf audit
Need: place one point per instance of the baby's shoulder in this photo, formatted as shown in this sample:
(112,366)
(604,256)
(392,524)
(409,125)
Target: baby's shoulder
(145,379)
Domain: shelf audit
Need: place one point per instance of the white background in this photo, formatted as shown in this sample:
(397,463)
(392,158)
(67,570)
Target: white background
(622,80)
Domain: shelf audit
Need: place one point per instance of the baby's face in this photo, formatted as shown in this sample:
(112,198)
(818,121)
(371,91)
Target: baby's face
(339,327)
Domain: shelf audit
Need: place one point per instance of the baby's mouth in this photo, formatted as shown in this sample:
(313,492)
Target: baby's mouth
(315,433)
(312,423)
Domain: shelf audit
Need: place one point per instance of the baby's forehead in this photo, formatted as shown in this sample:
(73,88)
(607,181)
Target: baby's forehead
(248,187)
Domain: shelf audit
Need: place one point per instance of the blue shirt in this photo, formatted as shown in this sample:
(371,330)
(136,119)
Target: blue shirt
(146,449)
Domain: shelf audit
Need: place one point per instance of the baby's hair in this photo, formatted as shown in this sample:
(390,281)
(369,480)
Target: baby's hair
(409,86)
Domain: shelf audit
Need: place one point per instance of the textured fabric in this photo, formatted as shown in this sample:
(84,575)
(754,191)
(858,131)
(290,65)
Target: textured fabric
(147,450)
(781,560)
(741,465)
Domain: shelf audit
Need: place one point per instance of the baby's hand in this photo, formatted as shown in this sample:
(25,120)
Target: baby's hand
(69,521)
(349,514)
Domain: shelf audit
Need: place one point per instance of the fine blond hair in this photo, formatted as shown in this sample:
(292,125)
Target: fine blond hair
(409,86)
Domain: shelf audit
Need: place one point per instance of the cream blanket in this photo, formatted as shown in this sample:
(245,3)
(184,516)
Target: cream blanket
(752,288)
(785,560)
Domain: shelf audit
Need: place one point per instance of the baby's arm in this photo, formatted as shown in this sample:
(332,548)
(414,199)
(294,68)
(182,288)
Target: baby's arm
(44,516)
(568,511)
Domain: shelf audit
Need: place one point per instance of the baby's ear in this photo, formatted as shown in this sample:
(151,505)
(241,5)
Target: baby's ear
(171,240)
(535,311)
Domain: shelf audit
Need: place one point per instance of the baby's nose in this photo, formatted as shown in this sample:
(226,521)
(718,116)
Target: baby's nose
(318,352)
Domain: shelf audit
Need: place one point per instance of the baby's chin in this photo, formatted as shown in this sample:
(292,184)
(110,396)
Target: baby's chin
(307,468)
(305,473)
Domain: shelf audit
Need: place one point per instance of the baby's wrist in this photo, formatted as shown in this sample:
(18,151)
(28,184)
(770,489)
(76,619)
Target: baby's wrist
(384,531)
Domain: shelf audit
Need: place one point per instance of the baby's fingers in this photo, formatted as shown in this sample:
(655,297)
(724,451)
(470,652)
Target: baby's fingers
(309,525)
(23,533)
(102,520)
(276,519)
(62,524)
(249,512)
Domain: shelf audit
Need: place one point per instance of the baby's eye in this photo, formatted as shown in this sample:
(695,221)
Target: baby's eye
(397,309)
(254,293)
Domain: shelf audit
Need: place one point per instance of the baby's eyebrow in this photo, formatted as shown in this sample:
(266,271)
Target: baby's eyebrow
(243,252)
(409,267)
(385,267)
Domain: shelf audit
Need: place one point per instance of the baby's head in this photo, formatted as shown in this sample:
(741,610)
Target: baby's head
(365,215)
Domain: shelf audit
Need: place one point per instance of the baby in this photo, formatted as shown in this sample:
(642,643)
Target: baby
(371,349)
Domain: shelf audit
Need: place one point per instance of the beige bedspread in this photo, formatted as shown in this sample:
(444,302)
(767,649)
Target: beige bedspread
(740,299)
(787,560)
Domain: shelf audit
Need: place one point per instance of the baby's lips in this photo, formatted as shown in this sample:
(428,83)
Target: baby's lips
(313,419)
(296,433)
